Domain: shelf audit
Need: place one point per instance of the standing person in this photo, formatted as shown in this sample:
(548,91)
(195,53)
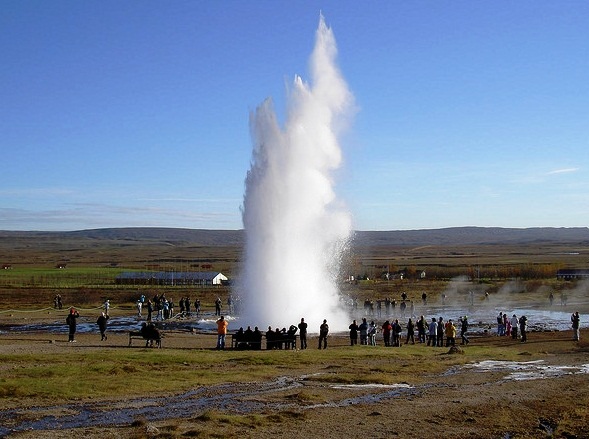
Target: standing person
(218,306)
(402,308)
(523,328)
(197,307)
(500,327)
(441,330)
(433,332)
(166,310)
(363,332)
(514,326)
(323,332)
(101,322)
(421,326)
(372,334)
(505,322)
(303,333)
(575,321)
(507,325)
(410,332)
(221,332)
(106,306)
(187,306)
(396,330)
(353,333)
(149,310)
(450,333)
(464,330)
(386,332)
(71,321)
(159,308)
(139,306)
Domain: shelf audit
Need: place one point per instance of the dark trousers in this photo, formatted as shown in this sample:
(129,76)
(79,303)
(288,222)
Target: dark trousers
(303,338)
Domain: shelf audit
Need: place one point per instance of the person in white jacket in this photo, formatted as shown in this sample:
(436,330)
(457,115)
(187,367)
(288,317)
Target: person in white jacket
(514,326)
(433,331)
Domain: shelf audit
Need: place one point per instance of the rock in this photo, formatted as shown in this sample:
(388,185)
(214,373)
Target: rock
(151,430)
(455,350)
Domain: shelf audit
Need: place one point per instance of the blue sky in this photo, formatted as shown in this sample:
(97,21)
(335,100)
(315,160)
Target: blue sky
(136,113)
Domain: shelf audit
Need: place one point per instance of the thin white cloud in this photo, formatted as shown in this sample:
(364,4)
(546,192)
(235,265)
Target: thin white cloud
(562,171)
(35,192)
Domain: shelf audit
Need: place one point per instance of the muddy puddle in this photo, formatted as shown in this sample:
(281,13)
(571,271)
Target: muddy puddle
(246,398)
(527,370)
(520,370)
(231,398)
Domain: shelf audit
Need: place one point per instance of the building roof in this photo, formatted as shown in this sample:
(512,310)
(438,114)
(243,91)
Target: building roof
(573,271)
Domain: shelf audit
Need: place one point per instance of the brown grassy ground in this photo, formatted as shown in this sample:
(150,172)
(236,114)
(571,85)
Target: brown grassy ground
(448,401)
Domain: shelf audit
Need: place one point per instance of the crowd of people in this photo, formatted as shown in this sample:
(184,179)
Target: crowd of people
(275,338)
(164,307)
(435,332)
(509,326)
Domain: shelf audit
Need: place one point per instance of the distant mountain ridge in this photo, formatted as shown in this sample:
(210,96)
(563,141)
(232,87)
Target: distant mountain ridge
(475,236)
(446,236)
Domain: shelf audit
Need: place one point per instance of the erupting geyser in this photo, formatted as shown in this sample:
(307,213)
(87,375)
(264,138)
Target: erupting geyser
(296,230)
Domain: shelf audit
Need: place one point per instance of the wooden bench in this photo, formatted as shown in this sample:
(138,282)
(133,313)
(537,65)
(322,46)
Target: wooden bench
(240,343)
(281,343)
(148,340)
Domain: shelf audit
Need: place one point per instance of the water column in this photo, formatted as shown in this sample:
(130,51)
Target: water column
(296,228)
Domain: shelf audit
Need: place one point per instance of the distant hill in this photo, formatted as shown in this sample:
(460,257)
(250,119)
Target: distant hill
(454,236)
(474,236)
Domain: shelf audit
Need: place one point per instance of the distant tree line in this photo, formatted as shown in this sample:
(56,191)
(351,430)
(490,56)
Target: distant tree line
(473,272)
(494,272)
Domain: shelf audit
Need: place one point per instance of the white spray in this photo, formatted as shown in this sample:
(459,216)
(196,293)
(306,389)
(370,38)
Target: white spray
(296,229)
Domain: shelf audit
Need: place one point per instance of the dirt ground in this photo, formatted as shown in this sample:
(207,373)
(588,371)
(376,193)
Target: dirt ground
(465,402)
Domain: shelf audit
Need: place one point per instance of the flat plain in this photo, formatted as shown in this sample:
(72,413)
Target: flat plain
(494,387)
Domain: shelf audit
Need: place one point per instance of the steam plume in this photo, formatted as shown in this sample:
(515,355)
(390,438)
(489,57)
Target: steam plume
(296,228)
